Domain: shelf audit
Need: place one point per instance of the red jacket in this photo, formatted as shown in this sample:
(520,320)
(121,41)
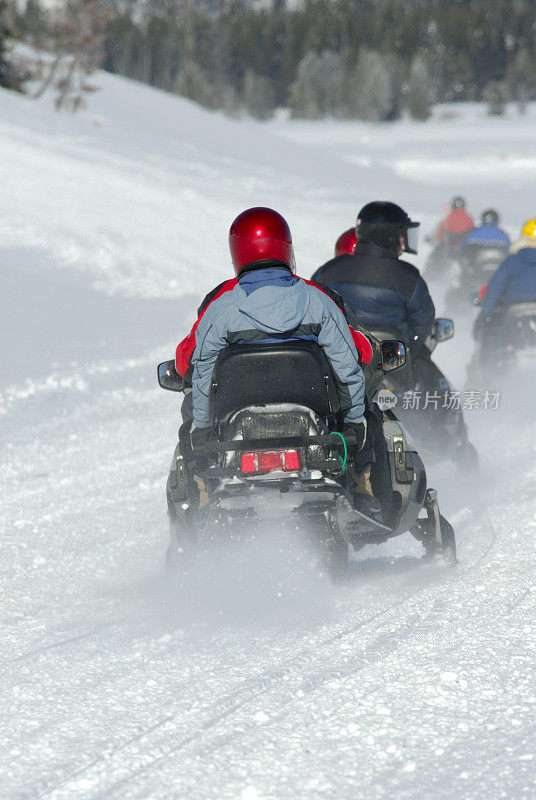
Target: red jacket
(457,222)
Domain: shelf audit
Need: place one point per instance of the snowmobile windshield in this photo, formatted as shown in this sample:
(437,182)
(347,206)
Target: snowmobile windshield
(411,238)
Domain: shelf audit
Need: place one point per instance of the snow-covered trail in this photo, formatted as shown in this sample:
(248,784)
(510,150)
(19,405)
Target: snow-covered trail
(121,685)
(412,681)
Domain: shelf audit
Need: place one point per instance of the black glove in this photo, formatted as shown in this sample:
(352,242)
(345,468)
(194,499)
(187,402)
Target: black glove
(203,436)
(359,430)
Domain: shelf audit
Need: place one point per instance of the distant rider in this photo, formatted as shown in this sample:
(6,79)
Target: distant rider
(455,225)
(488,236)
(450,231)
(514,281)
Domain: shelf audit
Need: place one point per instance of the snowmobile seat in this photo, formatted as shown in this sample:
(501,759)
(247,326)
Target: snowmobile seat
(261,374)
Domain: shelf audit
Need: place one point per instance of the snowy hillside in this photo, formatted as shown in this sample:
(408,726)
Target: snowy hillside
(412,681)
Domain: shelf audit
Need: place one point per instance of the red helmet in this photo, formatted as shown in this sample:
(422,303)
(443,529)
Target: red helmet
(346,243)
(260,234)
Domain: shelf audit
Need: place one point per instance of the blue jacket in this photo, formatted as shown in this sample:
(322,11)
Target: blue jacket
(514,281)
(485,236)
(382,290)
(272,305)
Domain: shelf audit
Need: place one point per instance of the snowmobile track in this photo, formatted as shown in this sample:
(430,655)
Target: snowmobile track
(305,672)
(294,671)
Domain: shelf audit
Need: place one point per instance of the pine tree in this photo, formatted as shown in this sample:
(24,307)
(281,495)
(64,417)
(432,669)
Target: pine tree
(419,93)
(192,81)
(5,72)
(333,72)
(193,84)
(259,97)
(320,87)
(304,95)
(521,79)
(372,87)
(32,24)
(11,73)
(495,96)
(121,45)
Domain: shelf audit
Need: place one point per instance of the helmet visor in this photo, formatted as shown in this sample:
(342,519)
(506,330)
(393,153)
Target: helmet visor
(411,237)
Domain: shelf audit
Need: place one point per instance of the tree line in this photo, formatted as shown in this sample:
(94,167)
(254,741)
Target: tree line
(349,59)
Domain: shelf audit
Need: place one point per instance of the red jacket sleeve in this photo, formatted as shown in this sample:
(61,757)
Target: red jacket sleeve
(184,352)
(185,349)
(364,347)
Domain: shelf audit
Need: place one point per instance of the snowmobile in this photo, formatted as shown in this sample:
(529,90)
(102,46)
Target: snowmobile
(508,340)
(476,265)
(429,412)
(282,458)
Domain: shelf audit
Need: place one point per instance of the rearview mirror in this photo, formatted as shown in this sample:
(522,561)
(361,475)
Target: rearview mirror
(169,378)
(443,329)
(393,354)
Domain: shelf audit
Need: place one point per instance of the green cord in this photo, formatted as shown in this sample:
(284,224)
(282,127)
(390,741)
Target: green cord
(345,459)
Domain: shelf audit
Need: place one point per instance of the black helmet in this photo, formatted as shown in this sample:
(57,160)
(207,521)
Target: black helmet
(489,217)
(383,223)
(457,202)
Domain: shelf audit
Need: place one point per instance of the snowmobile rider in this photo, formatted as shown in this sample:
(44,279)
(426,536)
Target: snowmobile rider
(488,235)
(386,292)
(448,234)
(514,281)
(456,224)
(382,290)
(267,302)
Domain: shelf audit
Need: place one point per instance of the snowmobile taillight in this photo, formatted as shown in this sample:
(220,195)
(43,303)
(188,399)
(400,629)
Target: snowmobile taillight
(292,460)
(268,460)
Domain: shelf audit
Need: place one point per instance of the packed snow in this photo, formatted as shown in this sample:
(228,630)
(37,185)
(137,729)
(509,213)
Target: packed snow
(257,679)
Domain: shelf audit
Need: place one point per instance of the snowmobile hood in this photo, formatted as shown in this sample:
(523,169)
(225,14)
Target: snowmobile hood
(273,299)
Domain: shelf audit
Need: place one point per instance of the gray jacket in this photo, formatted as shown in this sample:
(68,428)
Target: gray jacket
(267,303)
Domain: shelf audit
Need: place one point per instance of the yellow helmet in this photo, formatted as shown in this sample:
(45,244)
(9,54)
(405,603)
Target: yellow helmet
(529,228)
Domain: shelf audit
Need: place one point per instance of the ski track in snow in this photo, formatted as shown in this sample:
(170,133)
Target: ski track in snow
(252,680)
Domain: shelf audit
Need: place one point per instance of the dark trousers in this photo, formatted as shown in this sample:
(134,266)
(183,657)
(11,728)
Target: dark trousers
(380,471)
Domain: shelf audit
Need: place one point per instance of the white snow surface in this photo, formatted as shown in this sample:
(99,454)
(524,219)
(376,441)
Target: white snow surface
(259,680)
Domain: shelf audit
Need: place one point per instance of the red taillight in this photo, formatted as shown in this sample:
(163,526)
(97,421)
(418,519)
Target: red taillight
(292,460)
(249,462)
(268,460)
